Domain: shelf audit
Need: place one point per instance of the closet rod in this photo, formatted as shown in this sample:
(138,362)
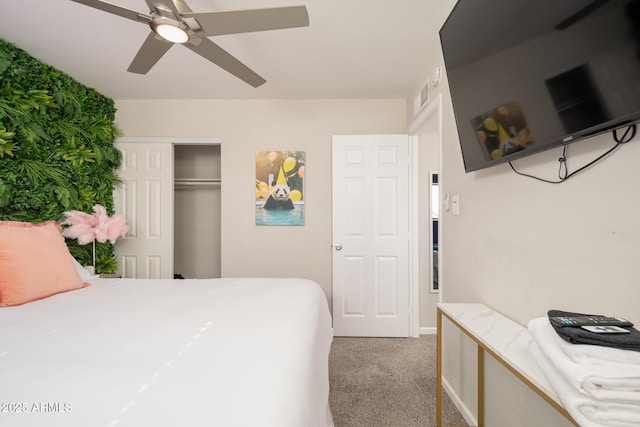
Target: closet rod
(196,182)
(192,180)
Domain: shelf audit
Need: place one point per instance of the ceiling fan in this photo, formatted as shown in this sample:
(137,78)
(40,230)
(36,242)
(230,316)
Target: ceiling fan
(172,21)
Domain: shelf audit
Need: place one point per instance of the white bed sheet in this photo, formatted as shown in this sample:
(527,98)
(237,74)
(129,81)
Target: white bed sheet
(137,352)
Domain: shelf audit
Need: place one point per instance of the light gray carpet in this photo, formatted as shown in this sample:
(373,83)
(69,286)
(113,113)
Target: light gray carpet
(386,382)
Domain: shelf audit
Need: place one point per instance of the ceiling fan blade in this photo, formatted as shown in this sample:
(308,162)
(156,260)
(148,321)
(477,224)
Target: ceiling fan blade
(223,59)
(245,21)
(181,6)
(150,52)
(116,10)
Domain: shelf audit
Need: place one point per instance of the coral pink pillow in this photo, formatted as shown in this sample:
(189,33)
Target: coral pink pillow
(34,262)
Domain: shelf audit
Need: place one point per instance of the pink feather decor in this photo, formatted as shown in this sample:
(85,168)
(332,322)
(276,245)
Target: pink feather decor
(87,228)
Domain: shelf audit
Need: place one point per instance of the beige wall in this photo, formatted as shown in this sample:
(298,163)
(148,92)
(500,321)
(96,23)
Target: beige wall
(428,161)
(247,126)
(523,247)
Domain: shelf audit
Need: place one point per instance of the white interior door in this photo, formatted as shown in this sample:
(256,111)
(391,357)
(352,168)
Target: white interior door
(371,235)
(145,198)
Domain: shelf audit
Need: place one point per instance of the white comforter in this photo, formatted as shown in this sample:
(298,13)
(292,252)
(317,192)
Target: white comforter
(137,352)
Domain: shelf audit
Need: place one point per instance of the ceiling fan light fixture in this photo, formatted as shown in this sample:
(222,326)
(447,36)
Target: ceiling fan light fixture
(169,30)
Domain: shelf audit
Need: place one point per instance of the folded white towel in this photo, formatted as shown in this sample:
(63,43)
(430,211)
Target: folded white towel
(597,354)
(602,379)
(586,411)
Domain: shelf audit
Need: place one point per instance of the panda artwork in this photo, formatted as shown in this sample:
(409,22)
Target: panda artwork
(280,196)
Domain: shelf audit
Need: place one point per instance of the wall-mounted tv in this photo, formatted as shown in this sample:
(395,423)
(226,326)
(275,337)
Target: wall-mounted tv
(529,75)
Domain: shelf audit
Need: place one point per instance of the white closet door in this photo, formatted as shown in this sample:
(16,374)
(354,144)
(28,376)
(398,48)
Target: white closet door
(145,198)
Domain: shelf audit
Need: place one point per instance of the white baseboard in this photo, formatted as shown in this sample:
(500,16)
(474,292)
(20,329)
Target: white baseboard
(462,408)
(428,331)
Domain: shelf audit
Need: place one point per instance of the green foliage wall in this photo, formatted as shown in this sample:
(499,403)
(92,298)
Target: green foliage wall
(56,147)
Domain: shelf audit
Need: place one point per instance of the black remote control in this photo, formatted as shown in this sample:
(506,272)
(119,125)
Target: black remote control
(563,321)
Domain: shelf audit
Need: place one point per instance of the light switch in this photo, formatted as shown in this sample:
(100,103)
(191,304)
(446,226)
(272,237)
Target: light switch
(455,204)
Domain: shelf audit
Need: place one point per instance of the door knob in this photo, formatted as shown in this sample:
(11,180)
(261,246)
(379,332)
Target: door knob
(338,247)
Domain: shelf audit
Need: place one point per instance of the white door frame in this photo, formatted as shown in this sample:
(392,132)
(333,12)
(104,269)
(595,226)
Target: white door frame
(434,107)
(170,140)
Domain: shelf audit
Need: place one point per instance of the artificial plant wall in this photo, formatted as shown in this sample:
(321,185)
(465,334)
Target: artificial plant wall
(56,147)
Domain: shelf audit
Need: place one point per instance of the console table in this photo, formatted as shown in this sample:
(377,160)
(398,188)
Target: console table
(503,339)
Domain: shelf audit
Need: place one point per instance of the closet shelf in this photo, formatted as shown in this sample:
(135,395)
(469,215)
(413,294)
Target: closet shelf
(197,181)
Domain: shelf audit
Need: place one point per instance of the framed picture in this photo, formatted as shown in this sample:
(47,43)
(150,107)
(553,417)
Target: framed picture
(280,187)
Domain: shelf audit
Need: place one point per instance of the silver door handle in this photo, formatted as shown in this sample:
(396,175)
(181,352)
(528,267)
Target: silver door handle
(338,247)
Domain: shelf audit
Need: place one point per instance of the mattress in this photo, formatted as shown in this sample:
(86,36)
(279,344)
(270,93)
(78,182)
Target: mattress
(152,352)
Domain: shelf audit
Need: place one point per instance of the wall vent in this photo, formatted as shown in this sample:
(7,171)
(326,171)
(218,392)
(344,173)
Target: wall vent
(421,99)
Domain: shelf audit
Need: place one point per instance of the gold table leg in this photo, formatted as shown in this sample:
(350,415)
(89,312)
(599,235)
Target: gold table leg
(480,386)
(439,372)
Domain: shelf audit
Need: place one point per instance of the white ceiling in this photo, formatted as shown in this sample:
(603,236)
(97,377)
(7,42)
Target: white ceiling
(351,49)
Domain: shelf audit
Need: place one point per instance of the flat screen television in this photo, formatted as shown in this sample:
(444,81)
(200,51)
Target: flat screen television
(529,75)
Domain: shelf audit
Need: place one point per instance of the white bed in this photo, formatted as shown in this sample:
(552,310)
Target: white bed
(136,352)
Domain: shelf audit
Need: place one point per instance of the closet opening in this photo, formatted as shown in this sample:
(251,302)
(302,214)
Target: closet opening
(197,217)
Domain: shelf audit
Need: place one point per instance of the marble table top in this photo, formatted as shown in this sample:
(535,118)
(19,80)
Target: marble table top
(504,337)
